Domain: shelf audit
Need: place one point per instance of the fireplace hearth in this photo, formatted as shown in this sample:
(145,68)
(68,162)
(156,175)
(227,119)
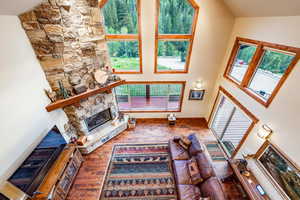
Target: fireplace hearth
(98,119)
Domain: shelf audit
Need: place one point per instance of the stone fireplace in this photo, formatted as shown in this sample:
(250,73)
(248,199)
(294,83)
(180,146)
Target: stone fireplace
(68,39)
(90,108)
(98,119)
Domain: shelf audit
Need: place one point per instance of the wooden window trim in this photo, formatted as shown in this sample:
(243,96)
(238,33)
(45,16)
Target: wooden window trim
(255,64)
(176,37)
(261,150)
(183,83)
(240,106)
(128,37)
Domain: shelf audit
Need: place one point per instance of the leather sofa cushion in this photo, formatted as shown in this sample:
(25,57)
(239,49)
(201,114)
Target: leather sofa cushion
(205,166)
(188,192)
(213,189)
(182,175)
(177,152)
(195,146)
(194,171)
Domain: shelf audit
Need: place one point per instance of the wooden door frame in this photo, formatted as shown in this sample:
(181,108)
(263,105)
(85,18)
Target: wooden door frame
(240,106)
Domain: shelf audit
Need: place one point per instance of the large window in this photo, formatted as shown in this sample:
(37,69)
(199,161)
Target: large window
(260,68)
(230,122)
(175,29)
(121,18)
(150,96)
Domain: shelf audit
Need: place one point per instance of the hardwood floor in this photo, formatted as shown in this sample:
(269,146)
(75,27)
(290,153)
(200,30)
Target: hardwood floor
(88,183)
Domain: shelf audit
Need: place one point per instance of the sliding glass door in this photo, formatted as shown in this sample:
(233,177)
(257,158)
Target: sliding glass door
(229,124)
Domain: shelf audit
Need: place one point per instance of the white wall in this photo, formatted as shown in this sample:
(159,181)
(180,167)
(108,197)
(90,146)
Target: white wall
(24,120)
(214,26)
(283,114)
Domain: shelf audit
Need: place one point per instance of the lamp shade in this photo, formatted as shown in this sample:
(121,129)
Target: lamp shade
(264,132)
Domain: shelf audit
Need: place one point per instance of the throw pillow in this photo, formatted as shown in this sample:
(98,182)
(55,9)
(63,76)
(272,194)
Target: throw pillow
(176,139)
(185,143)
(194,172)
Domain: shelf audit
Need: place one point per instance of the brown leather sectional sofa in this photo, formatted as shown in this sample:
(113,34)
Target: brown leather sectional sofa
(210,185)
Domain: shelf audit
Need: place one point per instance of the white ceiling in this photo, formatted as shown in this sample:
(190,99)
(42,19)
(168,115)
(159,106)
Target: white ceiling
(263,8)
(16,7)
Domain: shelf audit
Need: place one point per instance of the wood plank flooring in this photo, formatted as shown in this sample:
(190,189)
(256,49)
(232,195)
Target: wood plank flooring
(88,183)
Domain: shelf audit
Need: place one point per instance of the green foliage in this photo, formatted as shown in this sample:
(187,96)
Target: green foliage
(120,16)
(125,63)
(274,62)
(246,53)
(176,17)
(173,48)
(124,55)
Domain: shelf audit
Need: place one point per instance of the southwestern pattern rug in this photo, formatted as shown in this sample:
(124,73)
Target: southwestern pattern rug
(215,151)
(139,172)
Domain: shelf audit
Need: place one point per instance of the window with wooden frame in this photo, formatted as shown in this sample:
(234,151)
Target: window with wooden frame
(260,68)
(174,35)
(123,34)
(157,96)
(231,122)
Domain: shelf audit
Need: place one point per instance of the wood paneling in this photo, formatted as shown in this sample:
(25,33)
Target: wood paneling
(89,181)
(254,65)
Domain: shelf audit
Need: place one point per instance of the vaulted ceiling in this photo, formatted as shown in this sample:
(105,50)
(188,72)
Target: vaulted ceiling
(261,8)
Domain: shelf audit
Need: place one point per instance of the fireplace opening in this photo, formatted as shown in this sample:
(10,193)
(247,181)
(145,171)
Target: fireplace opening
(98,119)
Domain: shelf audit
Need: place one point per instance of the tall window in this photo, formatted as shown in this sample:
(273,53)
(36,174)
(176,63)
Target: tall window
(122,23)
(175,29)
(260,68)
(150,96)
(231,122)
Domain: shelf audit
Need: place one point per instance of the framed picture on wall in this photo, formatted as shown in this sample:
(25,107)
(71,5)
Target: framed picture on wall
(284,173)
(196,94)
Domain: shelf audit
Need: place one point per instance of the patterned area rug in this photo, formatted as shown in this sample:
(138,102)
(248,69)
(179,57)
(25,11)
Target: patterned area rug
(215,151)
(139,172)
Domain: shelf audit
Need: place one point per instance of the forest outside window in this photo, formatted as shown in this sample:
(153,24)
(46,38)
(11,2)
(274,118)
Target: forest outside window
(175,28)
(122,25)
(260,68)
(150,96)
(242,60)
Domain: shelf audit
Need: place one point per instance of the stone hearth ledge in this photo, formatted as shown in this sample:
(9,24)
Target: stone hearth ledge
(102,134)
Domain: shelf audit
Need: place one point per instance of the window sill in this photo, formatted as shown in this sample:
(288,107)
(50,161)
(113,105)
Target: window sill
(127,72)
(171,72)
(249,92)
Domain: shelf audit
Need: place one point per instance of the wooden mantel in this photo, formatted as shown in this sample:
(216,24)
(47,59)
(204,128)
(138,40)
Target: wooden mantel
(77,98)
